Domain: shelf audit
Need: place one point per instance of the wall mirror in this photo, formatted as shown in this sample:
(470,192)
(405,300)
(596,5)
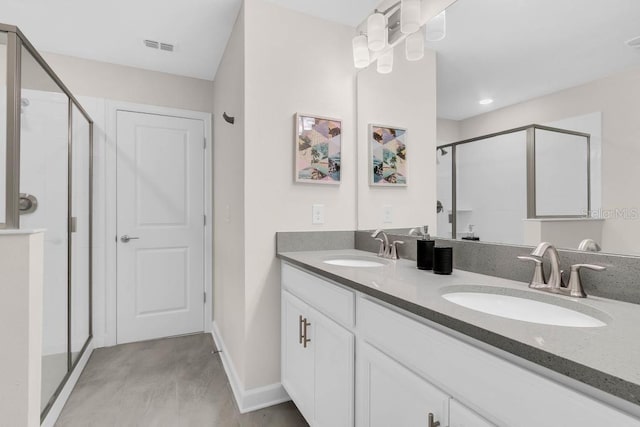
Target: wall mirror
(535,136)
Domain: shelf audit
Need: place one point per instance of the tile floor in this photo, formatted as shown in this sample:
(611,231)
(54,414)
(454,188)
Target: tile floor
(170,382)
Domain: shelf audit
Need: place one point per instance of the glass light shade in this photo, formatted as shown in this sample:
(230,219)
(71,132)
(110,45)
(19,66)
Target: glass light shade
(409,16)
(361,57)
(437,27)
(414,46)
(385,62)
(377,31)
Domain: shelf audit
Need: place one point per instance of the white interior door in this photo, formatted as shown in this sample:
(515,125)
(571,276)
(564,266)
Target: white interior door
(160,223)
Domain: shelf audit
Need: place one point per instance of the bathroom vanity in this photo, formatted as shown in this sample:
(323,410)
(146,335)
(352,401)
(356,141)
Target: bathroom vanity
(373,342)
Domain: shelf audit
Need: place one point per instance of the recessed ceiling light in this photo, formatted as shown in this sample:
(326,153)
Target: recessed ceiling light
(485,101)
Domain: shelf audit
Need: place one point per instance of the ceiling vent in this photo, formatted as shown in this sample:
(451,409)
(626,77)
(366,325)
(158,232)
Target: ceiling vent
(634,42)
(151,43)
(167,47)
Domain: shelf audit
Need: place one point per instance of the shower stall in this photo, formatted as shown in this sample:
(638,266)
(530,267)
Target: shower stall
(46,146)
(492,186)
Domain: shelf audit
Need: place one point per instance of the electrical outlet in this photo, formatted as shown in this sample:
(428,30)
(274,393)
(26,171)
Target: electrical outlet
(317,214)
(387,214)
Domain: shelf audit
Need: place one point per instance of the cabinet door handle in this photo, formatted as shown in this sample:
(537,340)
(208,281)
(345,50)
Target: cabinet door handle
(300,322)
(433,423)
(306,340)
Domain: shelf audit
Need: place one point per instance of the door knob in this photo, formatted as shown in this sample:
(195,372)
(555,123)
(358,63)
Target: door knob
(126,238)
(432,422)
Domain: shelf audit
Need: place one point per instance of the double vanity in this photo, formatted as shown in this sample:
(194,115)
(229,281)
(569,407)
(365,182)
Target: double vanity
(369,341)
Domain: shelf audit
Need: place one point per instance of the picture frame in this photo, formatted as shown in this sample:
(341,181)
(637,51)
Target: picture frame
(387,156)
(318,149)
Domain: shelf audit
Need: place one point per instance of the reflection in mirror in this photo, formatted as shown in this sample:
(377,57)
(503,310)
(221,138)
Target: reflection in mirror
(578,75)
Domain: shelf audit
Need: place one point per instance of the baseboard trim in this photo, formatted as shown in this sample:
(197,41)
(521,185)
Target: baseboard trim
(56,408)
(247,400)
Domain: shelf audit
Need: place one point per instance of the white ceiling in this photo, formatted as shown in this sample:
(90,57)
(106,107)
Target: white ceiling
(347,12)
(514,50)
(113,30)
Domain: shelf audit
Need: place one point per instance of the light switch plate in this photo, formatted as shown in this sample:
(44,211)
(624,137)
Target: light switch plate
(387,214)
(317,214)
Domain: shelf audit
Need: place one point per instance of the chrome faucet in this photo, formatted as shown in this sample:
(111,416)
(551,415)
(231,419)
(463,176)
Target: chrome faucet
(555,284)
(386,250)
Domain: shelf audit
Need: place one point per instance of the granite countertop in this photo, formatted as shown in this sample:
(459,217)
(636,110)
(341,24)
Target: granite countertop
(607,358)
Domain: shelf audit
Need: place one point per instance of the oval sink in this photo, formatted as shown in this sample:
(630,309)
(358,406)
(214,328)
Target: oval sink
(525,309)
(358,262)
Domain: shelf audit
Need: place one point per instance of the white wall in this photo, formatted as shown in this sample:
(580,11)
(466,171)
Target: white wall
(118,82)
(617,97)
(448,131)
(294,63)
(383,99)
(228,199)
(20,327)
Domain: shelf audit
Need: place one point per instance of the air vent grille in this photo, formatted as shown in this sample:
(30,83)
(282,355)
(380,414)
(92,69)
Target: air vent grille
(151,43)
(634,42)
(167,47)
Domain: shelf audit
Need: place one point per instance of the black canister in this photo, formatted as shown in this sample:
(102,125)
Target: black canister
(424,254)
(442,260)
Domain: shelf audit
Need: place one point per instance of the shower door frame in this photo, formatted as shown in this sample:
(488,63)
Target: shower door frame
(530,171)
(16,41)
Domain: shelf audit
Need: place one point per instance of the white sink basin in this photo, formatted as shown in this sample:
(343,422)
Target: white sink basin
(358,262)
(525,309)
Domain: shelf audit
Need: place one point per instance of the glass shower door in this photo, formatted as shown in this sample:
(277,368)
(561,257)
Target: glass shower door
(44,164)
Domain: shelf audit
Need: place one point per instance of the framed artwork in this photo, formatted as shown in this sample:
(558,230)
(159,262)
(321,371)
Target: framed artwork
(387,156)
(318,149)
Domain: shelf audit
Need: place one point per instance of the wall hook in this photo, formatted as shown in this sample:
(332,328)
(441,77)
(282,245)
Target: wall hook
(228,119)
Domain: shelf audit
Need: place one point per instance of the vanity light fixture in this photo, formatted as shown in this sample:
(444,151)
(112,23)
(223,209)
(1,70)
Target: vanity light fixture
(414,46)
(387,28)
(385,62)
(377,31)
(485,101)
(361,57)
(409,16)
(437,27)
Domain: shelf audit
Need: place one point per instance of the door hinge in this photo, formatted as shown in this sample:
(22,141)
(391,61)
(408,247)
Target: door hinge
(204,219)
(205,144)
(205,298)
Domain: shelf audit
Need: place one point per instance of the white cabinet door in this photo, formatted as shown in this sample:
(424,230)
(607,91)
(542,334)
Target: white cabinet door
(333,348)
(461,416)
(389,394)
(297,360)
(317,364)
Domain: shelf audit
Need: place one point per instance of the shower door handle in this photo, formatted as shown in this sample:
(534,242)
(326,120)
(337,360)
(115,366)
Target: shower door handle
(126,239)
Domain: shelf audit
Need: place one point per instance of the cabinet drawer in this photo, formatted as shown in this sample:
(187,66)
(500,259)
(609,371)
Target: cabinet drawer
(330,299)
(504,393)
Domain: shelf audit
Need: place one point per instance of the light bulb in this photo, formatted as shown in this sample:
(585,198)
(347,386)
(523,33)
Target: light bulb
(361,57)
(437,27)
(385,62)
(409,16)
(414,46)
(377,32)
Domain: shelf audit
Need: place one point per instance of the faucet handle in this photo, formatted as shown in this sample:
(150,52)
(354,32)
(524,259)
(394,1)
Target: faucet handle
(574,287)
(538,280)
(394,249)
